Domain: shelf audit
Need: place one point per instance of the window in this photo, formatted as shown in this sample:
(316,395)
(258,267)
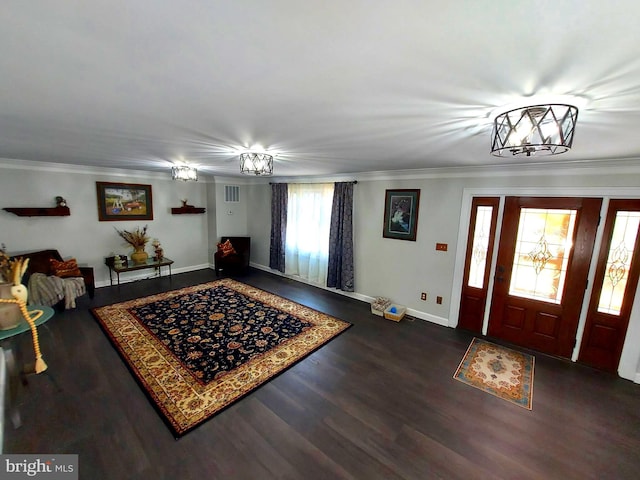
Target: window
(614,283)
(478,264)
(308,225)
(543,247)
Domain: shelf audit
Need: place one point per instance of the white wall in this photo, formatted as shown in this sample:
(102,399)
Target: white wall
(80,235)
(212,215)
(234,219)
(231,217)
(402,270)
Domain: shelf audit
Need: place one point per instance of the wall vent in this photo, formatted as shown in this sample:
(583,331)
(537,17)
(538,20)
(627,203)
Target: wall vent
(231,194)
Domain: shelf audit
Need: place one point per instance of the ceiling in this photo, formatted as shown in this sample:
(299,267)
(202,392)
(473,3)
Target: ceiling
(333,87)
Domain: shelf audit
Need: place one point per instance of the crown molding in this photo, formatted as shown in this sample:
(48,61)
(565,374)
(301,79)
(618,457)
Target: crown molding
(244,180)
(628,166)
(631,166)
(14,164)
(593,167)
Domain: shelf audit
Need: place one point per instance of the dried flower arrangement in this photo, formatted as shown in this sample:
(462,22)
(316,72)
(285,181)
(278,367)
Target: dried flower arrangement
(136,238)
(6,265)
(11,271)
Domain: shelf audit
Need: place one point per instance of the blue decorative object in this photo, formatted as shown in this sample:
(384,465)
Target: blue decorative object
(393,310)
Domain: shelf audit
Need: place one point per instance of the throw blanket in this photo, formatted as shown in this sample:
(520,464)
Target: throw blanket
(49,290)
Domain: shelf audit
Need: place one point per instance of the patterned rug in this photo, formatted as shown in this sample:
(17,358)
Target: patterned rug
(197,350)
(498,370)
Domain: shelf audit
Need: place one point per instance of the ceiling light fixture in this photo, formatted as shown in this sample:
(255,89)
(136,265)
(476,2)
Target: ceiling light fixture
(184,172)
(534,130)
(256,163)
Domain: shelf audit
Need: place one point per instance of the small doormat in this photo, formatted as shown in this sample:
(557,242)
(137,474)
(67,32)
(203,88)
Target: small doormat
(498,370)
(199,349)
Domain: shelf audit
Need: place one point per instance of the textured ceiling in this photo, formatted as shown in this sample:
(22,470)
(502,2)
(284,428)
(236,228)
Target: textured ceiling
(332,86)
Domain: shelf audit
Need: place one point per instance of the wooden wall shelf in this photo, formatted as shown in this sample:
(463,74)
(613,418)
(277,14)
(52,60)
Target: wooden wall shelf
(187,209)
(40,212)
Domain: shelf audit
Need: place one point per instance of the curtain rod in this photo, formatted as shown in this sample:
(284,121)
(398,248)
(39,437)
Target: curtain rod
(309,183)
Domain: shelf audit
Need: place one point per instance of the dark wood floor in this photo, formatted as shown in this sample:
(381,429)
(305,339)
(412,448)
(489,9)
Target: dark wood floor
(377,402)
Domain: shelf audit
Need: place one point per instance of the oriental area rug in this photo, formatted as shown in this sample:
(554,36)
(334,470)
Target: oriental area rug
(197,350)
(498,370)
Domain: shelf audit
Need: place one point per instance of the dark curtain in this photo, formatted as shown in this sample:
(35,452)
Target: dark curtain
(278,225)
(340,270)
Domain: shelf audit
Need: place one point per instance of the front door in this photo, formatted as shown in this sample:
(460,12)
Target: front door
(545,249)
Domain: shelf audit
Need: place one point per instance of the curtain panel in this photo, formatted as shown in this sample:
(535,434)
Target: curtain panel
(308,225)
(340,265)
(279,195)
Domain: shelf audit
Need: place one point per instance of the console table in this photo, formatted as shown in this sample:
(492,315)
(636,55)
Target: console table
(131,267)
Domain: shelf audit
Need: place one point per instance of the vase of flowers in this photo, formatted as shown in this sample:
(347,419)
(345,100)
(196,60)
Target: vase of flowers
(139,256)
(157,248)
(138,239)
(10,315)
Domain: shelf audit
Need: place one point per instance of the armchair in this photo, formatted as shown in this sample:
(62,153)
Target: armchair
(235,262)
(40,263)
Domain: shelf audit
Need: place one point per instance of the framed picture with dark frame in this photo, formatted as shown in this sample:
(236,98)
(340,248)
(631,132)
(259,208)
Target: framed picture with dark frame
(401,214)
(124,201)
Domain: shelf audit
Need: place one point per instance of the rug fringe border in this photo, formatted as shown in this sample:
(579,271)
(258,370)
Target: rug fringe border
(134,373)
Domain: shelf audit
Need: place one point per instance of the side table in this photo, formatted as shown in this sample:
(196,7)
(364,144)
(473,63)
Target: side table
(131,267)
(23,326)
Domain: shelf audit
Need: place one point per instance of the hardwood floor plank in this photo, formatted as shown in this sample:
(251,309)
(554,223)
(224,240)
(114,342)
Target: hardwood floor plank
(422,457)
(299,450)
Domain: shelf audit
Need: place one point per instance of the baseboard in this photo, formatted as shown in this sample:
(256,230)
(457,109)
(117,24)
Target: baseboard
(443,322)
(146,274)
(358,296)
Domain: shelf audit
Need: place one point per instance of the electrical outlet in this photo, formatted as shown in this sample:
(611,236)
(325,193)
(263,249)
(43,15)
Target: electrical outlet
(423,296)
(439,300)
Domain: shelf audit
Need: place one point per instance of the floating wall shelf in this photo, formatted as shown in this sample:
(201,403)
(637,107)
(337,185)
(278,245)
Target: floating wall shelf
(187,209)
(40,212)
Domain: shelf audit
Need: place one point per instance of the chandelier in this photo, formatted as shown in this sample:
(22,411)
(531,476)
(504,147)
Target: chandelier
(184,172)
(252,163)
(534,130)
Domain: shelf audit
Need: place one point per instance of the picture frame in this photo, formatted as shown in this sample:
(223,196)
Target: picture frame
(401,214)
(124,201)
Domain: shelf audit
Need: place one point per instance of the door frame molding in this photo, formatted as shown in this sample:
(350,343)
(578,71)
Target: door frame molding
(628,366)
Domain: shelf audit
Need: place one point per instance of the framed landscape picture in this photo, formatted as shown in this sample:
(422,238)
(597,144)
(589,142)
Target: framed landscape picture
(401,214)
(124,201)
